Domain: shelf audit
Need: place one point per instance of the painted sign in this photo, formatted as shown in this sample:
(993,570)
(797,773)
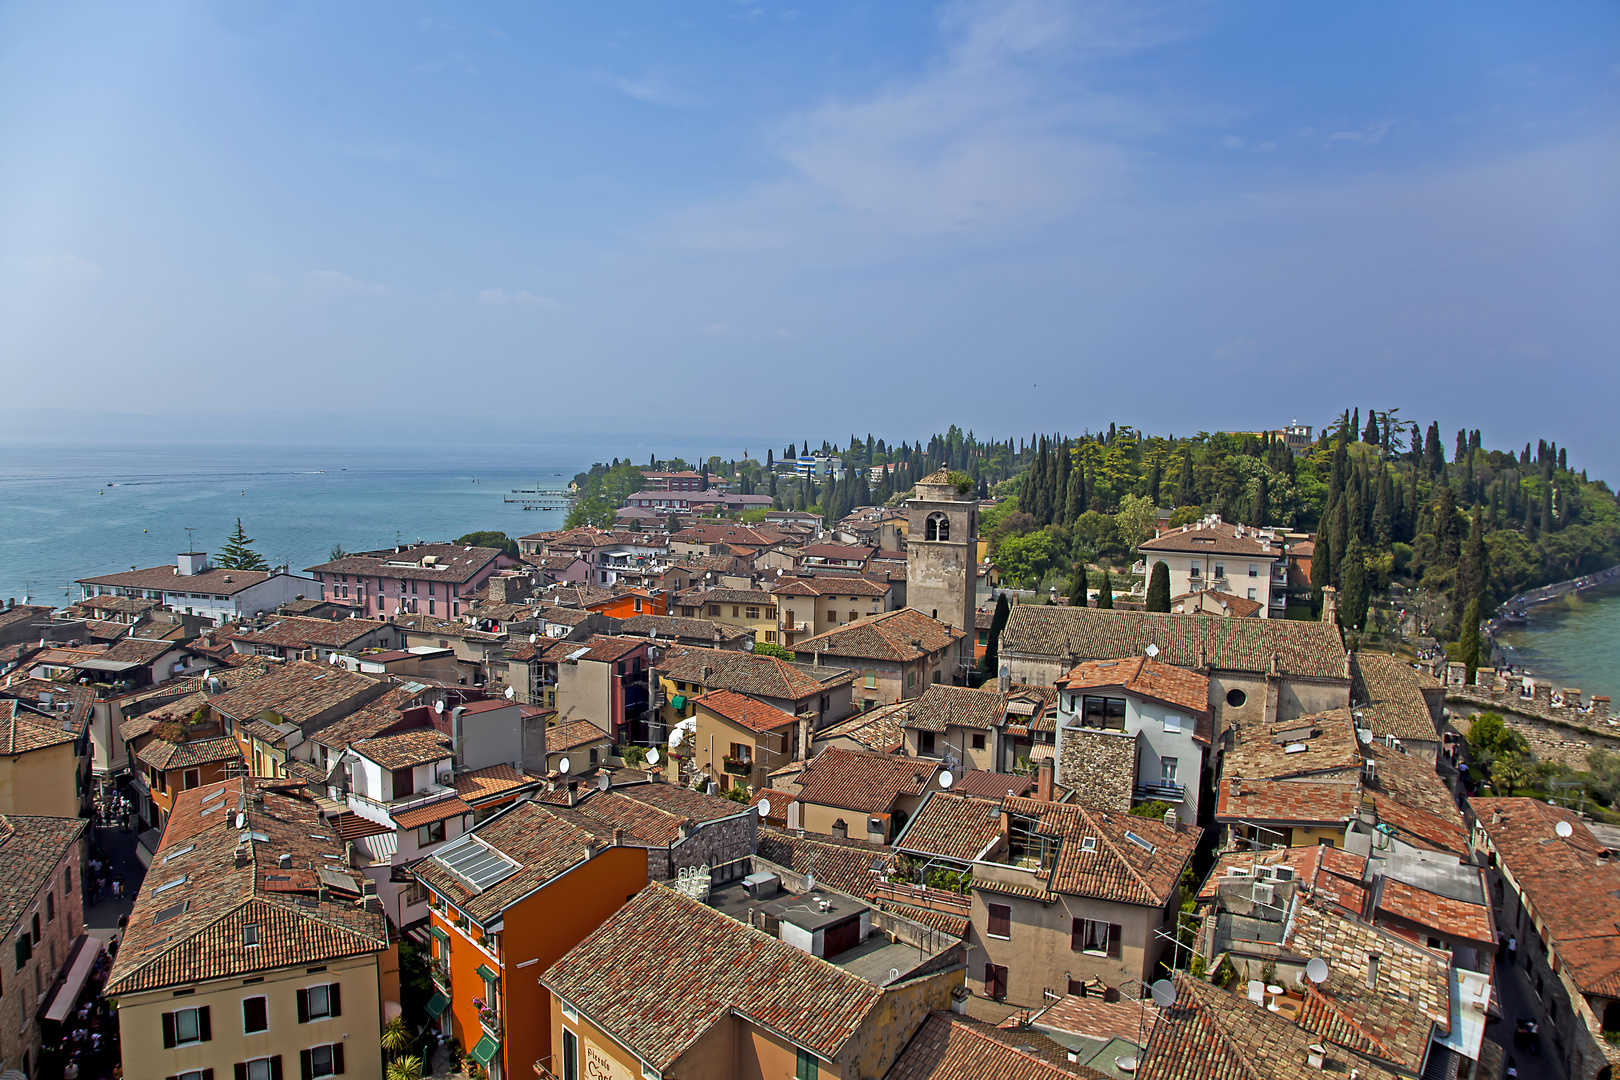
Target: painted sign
(600,1065)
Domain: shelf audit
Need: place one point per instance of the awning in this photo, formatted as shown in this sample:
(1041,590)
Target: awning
(677,702)
(66,994)
(437,1004)
(484,1051)
(488,974)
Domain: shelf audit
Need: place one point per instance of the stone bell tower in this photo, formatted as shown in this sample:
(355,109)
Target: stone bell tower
(941,542)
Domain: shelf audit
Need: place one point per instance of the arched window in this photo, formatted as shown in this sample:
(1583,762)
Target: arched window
(939,527)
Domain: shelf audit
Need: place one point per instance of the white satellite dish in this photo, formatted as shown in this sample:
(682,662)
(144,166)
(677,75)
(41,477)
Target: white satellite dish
(1317,970)
(1564,829)
(946,779)
(1152,650)
(563,766)
(1164,993)
(438,706)
(533,638)
(510,693)
(764,808)
(1365,735)
(652,757)
(331,658)
(809,882)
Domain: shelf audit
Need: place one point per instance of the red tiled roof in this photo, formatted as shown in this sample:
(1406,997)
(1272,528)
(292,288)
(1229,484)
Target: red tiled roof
(744,711)
(950,1047)
(952,826)
(887,636)
(864,782)
(1118,868)
(1143,676)
(575,733)
(1453,918)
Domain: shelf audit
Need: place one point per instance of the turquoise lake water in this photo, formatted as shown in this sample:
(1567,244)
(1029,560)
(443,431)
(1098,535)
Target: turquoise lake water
(1573,642)
(67,514)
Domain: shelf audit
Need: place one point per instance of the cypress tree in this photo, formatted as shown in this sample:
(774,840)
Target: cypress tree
(990,662)
(1321,569)
(1075,503)
(1434,459)
(1060,487)
(1260,514)
(1158,590)
(1370,436)
(1077,585)
(1184,486)
(1155,478)
(1468,640)
(1417,446)
(1341,538)
(1473,571)
(1105,591)
(1546,506)
(1448,537)
(1383,519)
(1355,596)
(1355,424)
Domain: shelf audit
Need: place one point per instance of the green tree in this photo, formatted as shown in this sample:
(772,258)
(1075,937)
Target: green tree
(1105,591)
(489,539)
(1136,519)
(1468,643)
(1158,590)
(1356,595)
(767,648)
(336,553)
(238,553)
(990,662)
(1077,585)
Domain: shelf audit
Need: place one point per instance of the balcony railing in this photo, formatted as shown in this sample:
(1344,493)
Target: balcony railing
(1162,789)
(440,970)
(737,766)
(922,896)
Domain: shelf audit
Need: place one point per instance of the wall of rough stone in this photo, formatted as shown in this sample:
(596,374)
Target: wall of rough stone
(724,846)
(1549,741)
(1099,765)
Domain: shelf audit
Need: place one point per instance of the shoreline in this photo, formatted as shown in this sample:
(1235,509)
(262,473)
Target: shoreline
(1548,648)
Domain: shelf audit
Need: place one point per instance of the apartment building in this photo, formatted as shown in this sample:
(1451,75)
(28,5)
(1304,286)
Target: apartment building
(422,579)
(254,949)
(195,587)
(41,882)
(1237,560)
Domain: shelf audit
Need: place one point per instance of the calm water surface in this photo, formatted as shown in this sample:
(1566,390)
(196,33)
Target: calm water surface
(1573,642)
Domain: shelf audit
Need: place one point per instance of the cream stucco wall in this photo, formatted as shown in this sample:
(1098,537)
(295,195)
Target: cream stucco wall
(40,782)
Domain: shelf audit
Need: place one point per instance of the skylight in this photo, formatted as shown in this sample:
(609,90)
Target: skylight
(1089,843)
(178,852)
(181,880)
(1138,841)
(1294,748)
(171,911)
(476,863)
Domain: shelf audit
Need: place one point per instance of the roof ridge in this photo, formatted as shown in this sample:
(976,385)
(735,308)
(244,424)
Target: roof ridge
(978,1033)
(1229,1038)
(167,946)
(1345,1018)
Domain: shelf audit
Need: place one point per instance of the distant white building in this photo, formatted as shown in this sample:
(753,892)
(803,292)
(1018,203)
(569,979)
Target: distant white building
(1238,560)
(195,587)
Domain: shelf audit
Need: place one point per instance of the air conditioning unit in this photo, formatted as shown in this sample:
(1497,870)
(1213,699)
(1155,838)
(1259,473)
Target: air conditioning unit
(1282,873)
(447,778)
(1264,894)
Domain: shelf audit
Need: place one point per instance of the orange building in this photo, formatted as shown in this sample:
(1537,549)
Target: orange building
(637,601)
(507,900)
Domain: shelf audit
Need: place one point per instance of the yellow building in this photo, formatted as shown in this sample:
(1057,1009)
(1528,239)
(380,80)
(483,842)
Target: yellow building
(739,741)
(253,949)
(748,608)
(39,764)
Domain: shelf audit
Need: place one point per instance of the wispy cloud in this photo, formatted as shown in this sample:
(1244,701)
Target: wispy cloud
(64,267)
(1371,135)
(333,283)
(522,298)
(653,88)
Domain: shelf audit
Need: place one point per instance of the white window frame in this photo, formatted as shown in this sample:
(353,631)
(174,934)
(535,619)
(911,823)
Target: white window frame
(196,1026)
(1168,767)
(326,993)
(314,1067)
(1172,722)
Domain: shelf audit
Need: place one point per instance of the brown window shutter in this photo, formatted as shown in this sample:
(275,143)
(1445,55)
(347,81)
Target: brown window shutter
(241,1070)
(336,994)
(205,1024)
(306,1065)
(208,1074)
(1076,931)
(275,1067)
(337,1059)
(168,1030)
(1000,920)
(1114,935)
(303,1006)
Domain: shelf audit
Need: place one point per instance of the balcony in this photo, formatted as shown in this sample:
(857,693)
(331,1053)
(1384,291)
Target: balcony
(440,970)
(795,627)
(737,766)
(1167,790)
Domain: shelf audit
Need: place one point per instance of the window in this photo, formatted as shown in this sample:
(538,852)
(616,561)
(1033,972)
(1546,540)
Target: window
(714,609)
(925,742)
(736,611)
(185,1026)
(193,778)
(753,612)
(403,782)
(320,1061)
(1000,922)
(938,527)
(1167,769)
(25,949)
(869,679)
(1254,594)
(806,1069)
(67,879)
(250,934)
(50,909)
(770,636)
(978,740)
(570,1055)
(1094,937)
(911,678)
(431,833)
(1220,569)
(1236,698)
(995,981)
(1254,571)
(255,1015)
(319,1003)
(266,1068)
(415,893)
(1172,723)
(1193,570)
(36,928)
(196,1074)
(1101,712)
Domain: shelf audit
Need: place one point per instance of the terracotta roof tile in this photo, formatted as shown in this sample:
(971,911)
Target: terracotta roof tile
(863,782)
(1217,539)
(416,816)
(30,849)
(302,632)
(746,673)
(950,1047)
(664,969)
(453,563)
(575,733)
(1454,918)
(405,749)
(1118,868)
(298,691)
(1387,694)
(744,711)
(491,782)
(845,865)
(952,826)
(886,636)
(881,730)
(542,845)
(164,755)
(940,706)
(1146,677)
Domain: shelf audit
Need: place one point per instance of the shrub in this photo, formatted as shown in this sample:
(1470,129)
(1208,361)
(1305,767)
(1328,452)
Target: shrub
(767,648)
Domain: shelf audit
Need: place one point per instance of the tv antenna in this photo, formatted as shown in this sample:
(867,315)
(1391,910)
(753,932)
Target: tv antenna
(191,538)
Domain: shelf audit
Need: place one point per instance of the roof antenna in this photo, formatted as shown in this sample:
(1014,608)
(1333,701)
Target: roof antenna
(191,539)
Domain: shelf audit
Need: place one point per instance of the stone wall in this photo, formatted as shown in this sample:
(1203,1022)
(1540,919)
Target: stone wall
(1550,738)
(724,846)
(1099,765)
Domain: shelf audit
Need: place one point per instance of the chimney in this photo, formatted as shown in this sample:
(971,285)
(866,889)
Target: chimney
(618,838)
(1330,605)
(1004,680)
(573,792)
(688,827)
(1372,970)
(840,829)
(1171,818)
(1234,786)
(587,850)
(1496,817)
(1043,780)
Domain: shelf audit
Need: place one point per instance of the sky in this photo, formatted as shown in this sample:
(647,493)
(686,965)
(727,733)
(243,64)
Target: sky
(785,221)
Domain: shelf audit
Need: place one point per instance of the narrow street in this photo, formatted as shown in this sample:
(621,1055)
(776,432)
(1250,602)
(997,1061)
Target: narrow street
(1518,1002)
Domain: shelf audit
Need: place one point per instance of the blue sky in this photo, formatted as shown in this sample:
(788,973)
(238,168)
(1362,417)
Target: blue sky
(750,219)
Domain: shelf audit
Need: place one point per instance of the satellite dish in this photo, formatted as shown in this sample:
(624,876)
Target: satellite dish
(1317,970)
(652,757)
(438,706)
(764,808)
(1153,650)
(331,658)
(809,882)
(1164,993)
(1365,735)
(563,766)
(1564,829)
(946,779)
(894,973)
(510,693)
(533,638)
